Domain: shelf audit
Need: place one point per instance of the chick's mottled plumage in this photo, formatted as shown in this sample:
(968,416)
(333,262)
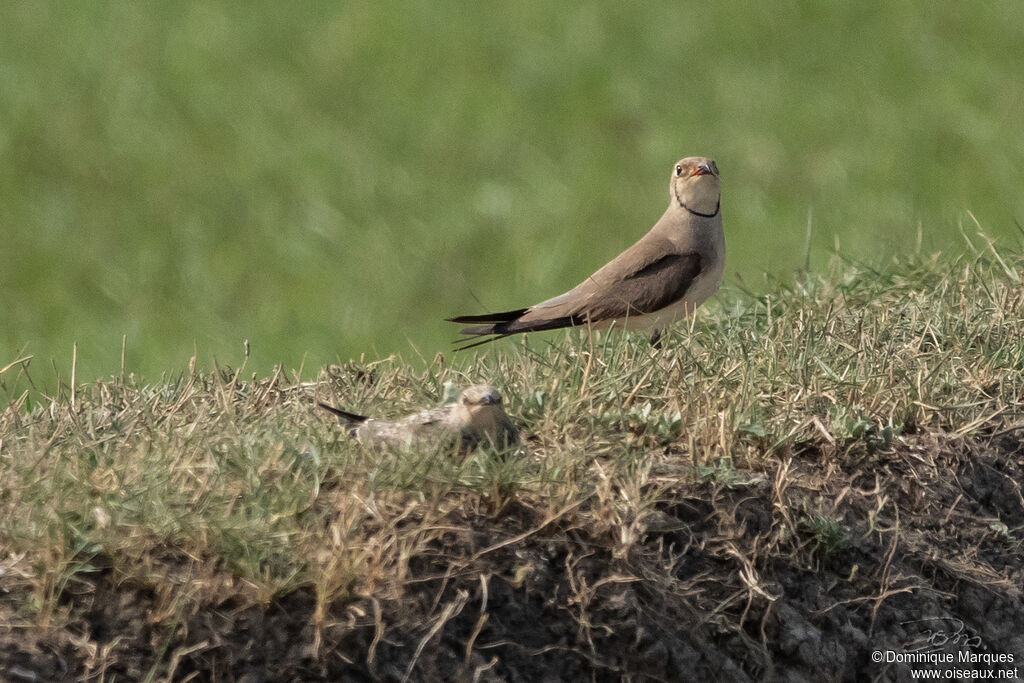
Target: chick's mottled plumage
(476,417)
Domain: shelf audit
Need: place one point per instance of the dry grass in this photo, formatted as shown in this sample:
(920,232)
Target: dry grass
(857,432)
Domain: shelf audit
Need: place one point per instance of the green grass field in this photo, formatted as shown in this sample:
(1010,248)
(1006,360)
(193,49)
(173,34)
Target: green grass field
(328,182)
(780,490)
(274,204)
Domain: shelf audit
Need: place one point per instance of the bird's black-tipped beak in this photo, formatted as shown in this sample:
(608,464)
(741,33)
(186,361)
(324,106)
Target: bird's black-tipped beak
(703,168)
(489,398)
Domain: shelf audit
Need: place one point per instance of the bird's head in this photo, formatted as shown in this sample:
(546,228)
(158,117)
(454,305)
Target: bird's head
(695,185)
(484,413)
(480,396)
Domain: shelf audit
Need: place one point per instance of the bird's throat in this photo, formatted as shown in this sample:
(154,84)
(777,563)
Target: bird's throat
(696,205)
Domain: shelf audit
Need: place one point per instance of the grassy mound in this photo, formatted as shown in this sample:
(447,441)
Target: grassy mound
(798,480)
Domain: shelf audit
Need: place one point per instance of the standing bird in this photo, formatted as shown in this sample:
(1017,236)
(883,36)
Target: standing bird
(477,416)
(662,278)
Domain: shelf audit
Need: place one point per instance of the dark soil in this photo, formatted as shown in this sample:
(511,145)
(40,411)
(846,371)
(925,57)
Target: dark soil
(797,575)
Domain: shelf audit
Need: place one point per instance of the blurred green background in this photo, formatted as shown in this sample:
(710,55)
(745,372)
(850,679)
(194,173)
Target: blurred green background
(331,179)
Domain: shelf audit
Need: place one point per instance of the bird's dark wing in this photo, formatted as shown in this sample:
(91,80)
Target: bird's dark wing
(503,317)
(643,279)
(501,325)
(652,286)
(344,414)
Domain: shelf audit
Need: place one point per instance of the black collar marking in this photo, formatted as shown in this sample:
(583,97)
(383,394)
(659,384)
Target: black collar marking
(714,213)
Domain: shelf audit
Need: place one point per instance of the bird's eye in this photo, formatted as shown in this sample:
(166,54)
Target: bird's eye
(679,170)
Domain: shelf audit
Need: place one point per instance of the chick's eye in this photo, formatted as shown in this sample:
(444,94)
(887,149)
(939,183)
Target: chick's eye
(679,170)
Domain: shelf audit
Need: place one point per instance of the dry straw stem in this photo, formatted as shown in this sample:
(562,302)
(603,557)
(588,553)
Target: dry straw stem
(779,485)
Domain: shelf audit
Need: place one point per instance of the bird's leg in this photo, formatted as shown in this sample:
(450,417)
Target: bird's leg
(656,338)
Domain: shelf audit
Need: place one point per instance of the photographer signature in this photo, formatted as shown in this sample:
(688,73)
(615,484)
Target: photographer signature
(938,636)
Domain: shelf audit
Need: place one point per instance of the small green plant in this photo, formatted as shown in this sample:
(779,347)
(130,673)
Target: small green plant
(827,534)
(851,425)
